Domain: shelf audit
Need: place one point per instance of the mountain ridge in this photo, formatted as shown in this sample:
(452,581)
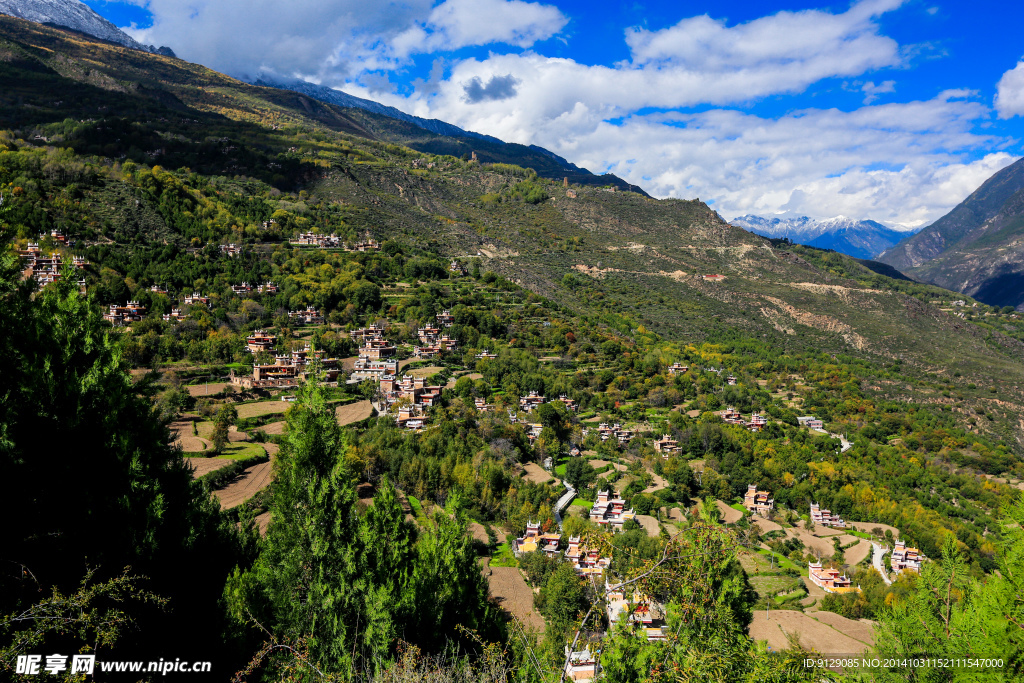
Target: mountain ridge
(978,247)
(863,239)
(76,16)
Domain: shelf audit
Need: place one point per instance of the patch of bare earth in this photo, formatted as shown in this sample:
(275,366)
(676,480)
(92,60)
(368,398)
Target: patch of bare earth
(425,372)
(766,525)
(199,390)
(353,412)
(182,431)
(871,526)
(262,522)
(206,465)
(537,474)
(251,481)
(248,410)
(275,427)
(857,553)
(815,635)
(729,515)
(478,532)
(509,589)
(650,525)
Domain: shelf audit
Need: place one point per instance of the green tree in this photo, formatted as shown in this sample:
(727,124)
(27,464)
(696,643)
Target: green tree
(226,417)
(579,473)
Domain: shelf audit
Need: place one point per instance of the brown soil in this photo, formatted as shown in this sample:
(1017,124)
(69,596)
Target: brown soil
(869,526)
(858,629)
(537,474)
(262,522)
(812,542)
(766,525)
(234,435)
(353,412)
(601,463)
(207,389)
(730,515)
(206,465)
(510,591)
(193,444)
(274,427)
(659,483)
(248,410)
(425,372)
(252,480)
(816,635)
(478,532)
(650,525)
(857,553)
(182,431)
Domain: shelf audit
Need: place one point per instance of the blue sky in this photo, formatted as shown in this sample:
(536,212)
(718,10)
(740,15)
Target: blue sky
(884,109)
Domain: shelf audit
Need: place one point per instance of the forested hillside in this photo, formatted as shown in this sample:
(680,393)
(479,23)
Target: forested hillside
(585,330)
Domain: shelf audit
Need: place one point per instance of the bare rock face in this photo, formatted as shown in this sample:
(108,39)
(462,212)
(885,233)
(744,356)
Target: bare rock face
(76,16)
(954,230)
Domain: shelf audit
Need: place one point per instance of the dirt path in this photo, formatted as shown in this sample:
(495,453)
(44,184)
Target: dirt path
(353,412)
(817,635)
(510,590)
(252,480)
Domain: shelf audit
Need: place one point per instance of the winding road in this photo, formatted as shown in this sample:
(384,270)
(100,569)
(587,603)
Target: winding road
(877,559)
(566,498)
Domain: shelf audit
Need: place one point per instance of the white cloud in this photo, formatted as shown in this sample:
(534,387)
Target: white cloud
(872,91)
(459,23)
(1010,92)
(332,41)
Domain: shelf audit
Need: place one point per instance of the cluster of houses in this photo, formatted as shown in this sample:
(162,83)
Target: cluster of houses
(287,370)
(610,513)
(45,269)
(667,446)
(758,502)
(615,431)
(310,316)
(129,313)
(731,416)
(315,239)
(413,397)
(433,342)
(904,558)
(246,288)
(824,517)
(231,250)
(332,241)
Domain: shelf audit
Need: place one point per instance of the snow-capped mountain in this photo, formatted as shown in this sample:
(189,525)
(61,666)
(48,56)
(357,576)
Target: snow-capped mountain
(863,239)
(76,16)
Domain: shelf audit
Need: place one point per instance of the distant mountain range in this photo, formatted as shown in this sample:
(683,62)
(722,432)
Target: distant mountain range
(77,16)
(978,247)
(863,239)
